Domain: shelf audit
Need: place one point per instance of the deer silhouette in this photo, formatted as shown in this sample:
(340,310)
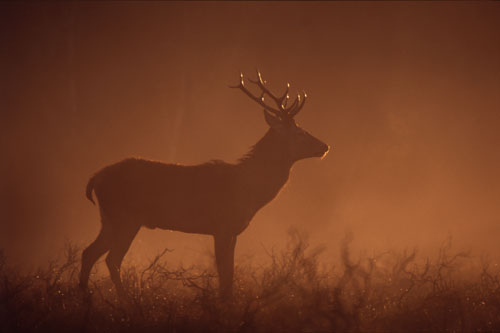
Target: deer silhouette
(214,198)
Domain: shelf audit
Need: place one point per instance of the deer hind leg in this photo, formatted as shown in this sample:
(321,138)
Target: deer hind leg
(119,247)
(224,258)
(91,254)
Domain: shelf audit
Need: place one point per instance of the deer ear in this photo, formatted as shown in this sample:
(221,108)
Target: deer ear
(271,120)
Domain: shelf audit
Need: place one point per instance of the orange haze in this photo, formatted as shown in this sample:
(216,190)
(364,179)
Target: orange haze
(406,93)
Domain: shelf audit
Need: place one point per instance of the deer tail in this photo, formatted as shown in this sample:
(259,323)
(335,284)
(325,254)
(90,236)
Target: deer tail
(90,188)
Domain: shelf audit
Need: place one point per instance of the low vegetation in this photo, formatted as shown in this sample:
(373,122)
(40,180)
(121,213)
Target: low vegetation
(390,292)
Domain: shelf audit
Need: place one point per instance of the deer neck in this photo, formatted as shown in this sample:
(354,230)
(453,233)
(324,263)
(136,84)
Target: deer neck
(265,170)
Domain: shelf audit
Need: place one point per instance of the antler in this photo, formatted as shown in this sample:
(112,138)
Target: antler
(282,111)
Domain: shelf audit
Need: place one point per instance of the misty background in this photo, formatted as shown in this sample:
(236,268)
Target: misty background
(406,93)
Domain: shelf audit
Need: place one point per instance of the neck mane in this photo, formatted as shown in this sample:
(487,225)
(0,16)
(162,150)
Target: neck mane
(265,168)
(267,150)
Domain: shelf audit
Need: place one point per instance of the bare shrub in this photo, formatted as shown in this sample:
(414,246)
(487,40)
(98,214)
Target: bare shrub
(393,291)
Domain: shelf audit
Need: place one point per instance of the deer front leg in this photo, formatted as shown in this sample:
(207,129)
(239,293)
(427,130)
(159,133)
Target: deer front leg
(224,258)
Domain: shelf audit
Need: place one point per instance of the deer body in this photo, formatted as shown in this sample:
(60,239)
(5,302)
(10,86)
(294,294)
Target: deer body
(214,198)
(209,198)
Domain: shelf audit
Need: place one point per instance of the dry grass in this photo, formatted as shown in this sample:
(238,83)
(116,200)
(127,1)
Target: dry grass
(393,292)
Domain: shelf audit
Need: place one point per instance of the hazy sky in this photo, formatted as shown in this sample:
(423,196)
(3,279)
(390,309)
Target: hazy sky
(406,93)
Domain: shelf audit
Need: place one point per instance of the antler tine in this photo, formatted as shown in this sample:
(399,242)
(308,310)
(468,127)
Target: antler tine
(285,102)
(298,107)
(293,106)
(260,99)
(261,84)
(284,97)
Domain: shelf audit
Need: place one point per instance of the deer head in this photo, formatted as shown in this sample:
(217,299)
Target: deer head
(294,141)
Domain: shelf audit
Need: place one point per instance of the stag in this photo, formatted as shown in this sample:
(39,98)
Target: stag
(214,198)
